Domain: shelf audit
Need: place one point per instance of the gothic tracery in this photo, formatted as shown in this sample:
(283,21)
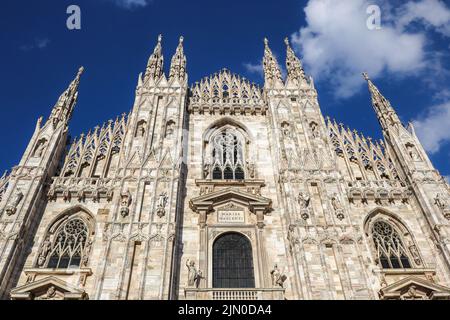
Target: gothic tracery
(390,249)
(227,155)
(68,245)
(264,166)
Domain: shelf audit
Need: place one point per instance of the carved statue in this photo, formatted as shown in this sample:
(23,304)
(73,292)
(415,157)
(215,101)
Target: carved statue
(51,292)
(314,130)
(80,195)
(251,169)
(193,275)
(40,148)
(303,200)
(292,236)
(278,278)
(198,278)
(45,249)
(140,131)
(441,201)
(125,201)
(125,198)
(414,252)
(12,207)
(170,128)
(87,251)
(413,294)
(336,203)
(206,169)
(413,152)
(285,129)
(162,202)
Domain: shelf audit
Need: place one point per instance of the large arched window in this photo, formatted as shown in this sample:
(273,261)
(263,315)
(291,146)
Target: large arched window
(233,262)
(390,250)
(68,245)
(227,155)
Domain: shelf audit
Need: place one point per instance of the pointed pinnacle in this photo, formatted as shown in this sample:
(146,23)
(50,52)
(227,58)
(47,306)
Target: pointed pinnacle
(366,76)
(80,71)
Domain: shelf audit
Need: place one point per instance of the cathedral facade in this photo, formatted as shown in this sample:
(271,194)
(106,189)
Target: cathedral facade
(224,190)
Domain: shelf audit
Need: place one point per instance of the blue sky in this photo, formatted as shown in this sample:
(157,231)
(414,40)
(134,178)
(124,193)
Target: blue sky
(408,58)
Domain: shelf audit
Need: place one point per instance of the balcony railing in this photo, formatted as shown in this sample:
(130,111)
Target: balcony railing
(234,294)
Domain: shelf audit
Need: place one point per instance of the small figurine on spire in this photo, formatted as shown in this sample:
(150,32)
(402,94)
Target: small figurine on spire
(178,64)
(271,68)
(155,62)
(366,76)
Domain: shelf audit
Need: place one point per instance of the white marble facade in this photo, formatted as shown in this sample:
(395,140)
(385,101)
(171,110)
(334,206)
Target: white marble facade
(224,190)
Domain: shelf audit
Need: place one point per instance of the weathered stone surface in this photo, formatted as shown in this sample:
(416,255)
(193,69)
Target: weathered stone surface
(135,206)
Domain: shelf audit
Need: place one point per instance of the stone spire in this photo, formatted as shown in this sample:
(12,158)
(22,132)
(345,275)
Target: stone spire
(155,62)
(293,64)
(62,110)
(178,64)
(271,68)
(385,112)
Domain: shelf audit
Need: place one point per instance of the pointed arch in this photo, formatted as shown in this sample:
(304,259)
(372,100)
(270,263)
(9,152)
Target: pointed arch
(226,146)
(68,239)
(227,121)
(391,242)
(78,209)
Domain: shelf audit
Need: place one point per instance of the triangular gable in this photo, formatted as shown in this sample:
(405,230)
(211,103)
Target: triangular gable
(219,197)
(414,287)
(48,288)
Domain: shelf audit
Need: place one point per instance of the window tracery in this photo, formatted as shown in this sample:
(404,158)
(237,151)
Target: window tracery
(68,248)
(390,250)
(227,155)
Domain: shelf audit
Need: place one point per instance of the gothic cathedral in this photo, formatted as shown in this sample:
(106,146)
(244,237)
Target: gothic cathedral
(224,190)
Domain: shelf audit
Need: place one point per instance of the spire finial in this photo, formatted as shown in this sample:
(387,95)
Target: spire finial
(293,64)
(383,109)
(271,69)
(63,108)
(80,71)
(155,62)
(178,63)
(366,76)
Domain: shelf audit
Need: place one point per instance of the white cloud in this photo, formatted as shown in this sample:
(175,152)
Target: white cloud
(336,44)
(254,68)
(131,4)
(38,43)
(432,128)
(447,178)
(433,13)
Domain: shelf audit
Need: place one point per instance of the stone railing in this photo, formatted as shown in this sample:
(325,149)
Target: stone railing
(234,294)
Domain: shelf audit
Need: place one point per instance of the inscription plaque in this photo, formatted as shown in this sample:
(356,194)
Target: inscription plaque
(230,216)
